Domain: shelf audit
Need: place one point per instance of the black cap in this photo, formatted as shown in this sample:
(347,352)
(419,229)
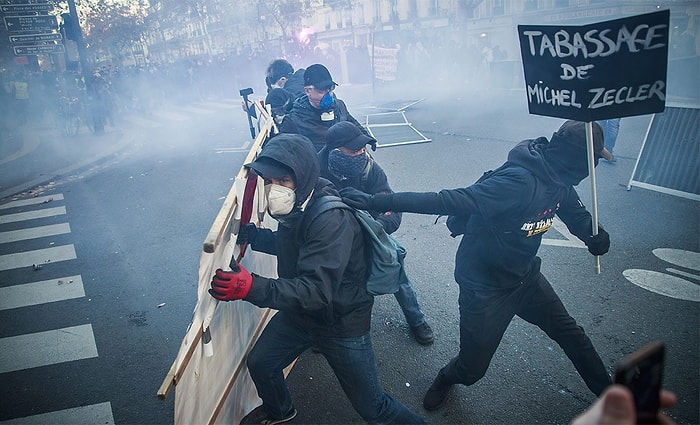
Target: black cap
(318,76)
(349,135)
(269,168)
(574,134)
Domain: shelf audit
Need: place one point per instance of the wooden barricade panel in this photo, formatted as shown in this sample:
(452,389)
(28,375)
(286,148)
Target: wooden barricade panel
(217,388)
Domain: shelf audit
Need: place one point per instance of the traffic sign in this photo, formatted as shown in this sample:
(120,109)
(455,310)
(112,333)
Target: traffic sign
(30,23)
(24,1)
(38,50)
(31,38)
(25,9)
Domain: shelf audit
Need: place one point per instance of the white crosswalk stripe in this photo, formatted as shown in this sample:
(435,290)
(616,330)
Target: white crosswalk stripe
(100,413)
(32,215)
(32,201)
(45,291)
(37,256)
(48,347)
(34,232)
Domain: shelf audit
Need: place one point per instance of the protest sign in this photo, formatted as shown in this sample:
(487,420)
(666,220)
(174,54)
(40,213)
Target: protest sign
(591,72)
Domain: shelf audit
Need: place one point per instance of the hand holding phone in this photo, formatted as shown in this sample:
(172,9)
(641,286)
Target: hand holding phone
(642,373)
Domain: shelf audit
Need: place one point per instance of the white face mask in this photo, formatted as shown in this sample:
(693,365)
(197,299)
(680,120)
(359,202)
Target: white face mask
(280,199)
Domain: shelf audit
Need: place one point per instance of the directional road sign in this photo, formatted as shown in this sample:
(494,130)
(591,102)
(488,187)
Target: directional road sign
(30,23)
(24,1)
(38,50)
(26,9)
(32,38)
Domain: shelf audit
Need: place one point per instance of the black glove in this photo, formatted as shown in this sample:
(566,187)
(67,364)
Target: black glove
(357,198)
(247,234)
(600,243)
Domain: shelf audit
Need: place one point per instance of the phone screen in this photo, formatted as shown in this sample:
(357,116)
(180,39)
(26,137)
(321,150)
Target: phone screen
(642,373)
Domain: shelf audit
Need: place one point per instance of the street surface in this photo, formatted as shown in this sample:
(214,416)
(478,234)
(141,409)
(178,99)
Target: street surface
(99,248)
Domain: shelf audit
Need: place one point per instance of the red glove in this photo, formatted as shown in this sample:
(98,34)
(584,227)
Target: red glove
(233,285)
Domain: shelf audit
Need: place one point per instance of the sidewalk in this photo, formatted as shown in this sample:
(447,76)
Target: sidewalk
(38,154)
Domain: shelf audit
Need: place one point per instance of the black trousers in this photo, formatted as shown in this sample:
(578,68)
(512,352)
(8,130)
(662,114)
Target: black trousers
(485,316)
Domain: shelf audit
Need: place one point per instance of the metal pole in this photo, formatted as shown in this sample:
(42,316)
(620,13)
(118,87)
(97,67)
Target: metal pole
(594,196)
(82,51)
(373,73)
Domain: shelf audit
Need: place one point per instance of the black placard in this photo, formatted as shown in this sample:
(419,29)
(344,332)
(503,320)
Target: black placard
(604,70)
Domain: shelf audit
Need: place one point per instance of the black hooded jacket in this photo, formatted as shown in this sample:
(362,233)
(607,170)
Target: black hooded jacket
(309,123)
(506,215)
(295,84)
(321,264)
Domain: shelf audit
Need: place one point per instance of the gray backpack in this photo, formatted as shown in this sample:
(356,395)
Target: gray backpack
(385,255)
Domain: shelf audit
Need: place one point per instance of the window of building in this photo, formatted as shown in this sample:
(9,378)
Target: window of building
(498,7)
(412,9)
(530,5)
(561,3)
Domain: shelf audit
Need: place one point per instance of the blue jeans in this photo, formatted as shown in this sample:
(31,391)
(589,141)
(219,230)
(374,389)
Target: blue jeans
(611,128)
(352,360)
(406,297)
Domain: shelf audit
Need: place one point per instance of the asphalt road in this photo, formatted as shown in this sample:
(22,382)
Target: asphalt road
(139,214)
(530,380)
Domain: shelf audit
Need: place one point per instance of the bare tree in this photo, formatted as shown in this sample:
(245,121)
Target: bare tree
(286,13)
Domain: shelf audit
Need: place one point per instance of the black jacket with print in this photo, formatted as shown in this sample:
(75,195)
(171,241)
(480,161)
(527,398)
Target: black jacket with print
(506,215)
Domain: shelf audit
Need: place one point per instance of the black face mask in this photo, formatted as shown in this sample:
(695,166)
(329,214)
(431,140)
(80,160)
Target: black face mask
(346,166)
(569,162)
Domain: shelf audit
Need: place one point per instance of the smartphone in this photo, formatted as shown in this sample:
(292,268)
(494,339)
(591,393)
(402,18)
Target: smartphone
(642,372)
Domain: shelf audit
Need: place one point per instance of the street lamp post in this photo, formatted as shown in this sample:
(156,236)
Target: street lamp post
(82,51)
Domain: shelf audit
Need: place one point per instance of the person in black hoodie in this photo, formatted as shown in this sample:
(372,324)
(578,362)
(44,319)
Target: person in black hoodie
(503,217)
(319,108)
(320,293)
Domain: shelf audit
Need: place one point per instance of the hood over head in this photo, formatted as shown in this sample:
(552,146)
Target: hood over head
(296,153)
(566,152)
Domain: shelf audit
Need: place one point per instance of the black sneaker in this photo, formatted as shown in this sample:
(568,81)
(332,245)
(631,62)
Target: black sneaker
(423,334)
(260,417)
(437,394)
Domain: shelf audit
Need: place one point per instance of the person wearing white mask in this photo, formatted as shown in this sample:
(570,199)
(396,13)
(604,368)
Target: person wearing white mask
(320,293)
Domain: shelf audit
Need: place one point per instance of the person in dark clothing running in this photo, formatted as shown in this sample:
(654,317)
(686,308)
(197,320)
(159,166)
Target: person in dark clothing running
(346,163)
(319,108)
(503,217)
(320,294)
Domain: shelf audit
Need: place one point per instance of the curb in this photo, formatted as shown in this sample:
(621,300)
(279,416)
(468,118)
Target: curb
(114,146)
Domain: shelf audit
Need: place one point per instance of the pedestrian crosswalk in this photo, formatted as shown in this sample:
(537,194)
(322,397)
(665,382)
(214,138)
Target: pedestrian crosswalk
(28,231)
